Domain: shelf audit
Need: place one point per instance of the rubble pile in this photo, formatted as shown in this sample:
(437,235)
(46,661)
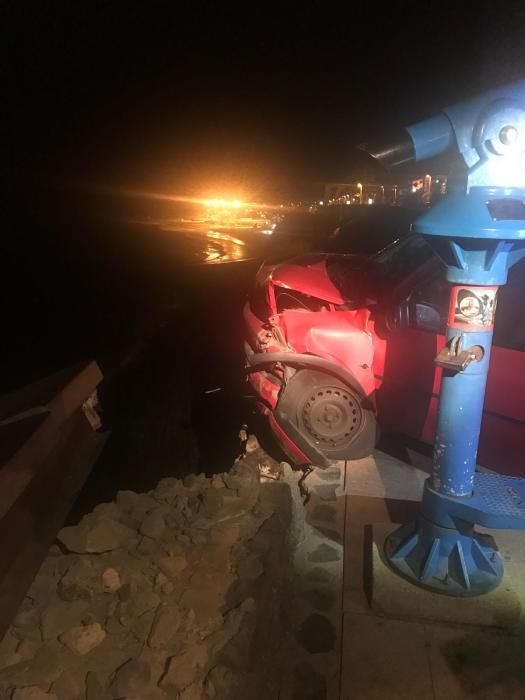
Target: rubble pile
(175,593)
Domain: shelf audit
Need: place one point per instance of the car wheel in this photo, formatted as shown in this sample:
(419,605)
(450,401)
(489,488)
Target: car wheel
(331,415)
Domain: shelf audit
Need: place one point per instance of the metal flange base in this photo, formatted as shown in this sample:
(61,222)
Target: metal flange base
(443,560)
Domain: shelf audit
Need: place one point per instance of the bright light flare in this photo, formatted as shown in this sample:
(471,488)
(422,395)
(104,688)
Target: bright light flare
(183,199)
(224,203)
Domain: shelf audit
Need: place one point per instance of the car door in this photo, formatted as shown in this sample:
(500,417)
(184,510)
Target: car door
(408,396)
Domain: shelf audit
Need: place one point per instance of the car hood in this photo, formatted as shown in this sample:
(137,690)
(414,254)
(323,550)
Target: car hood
(337,278)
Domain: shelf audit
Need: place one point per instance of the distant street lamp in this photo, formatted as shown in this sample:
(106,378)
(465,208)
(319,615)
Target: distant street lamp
(360,188)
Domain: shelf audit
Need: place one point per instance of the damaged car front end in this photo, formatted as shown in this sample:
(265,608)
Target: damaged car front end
(309,355)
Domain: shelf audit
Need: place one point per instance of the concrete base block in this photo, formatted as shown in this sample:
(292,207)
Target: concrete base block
(394,597)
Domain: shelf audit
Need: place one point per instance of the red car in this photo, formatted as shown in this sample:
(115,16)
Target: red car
(337,344)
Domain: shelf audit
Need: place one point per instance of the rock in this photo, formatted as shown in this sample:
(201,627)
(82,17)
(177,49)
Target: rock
(167,622)
(128,500)
(124,592)
(72,592)
(168,490)
(185,668)
(172,566)
(217,481)
(94,687)
(195,691)
(194,482)
(32,693)
(250,568)
(137,605)
(211,502)
(175,519)
(252,444)
(159,581)
(44,668)
(61,617)
(111,581)
(82,639)
(69,686)
(28,648)
(79,581)
(173,548)
(220,681)
(107,511)
(206,594)
(96,536)
(131,680)
(8,650)
(199,538)
(153,525)
(147,547)
(190,666)
(244,478)
(203,523)
(28,615)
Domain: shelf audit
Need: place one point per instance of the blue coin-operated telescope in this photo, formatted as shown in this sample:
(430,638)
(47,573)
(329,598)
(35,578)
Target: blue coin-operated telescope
(479,232)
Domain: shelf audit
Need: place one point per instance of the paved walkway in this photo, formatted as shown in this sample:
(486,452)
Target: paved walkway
(408,651)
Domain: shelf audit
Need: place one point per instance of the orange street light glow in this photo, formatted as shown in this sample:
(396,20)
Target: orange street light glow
(234,203)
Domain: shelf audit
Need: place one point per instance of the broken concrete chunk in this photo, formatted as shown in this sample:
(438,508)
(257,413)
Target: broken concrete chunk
(252,444)
(111,580)
(82,639)
(28,615)
(250,568)
(185,668)
(94,687)
(106,511)
(168,490)
(131,679)
(195,691)
(137,605)
(172,566)
(32,693)
(62,616)
(69,686)
(9,653)
(42,669)
(96,536)
(167,622)
(211,502)
(79,581)
(153,525)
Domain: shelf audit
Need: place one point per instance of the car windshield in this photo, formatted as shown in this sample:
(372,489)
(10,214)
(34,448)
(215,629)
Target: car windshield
(369,229)
(403,257)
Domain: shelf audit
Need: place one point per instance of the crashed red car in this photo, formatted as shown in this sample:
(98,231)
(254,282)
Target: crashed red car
(339,344)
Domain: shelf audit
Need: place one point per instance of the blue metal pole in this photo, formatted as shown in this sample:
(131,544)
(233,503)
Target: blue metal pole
(460,411)
(479,233)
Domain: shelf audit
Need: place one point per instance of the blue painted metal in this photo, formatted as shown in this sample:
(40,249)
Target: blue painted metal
(455,561)
(459,420)
(479,232)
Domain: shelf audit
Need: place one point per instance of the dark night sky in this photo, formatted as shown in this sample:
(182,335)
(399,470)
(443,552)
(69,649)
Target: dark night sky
(198,96)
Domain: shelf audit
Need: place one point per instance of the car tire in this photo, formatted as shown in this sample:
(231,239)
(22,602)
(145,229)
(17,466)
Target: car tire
(334,417)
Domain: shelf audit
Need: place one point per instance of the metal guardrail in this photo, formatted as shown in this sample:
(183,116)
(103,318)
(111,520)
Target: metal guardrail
(48,445)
